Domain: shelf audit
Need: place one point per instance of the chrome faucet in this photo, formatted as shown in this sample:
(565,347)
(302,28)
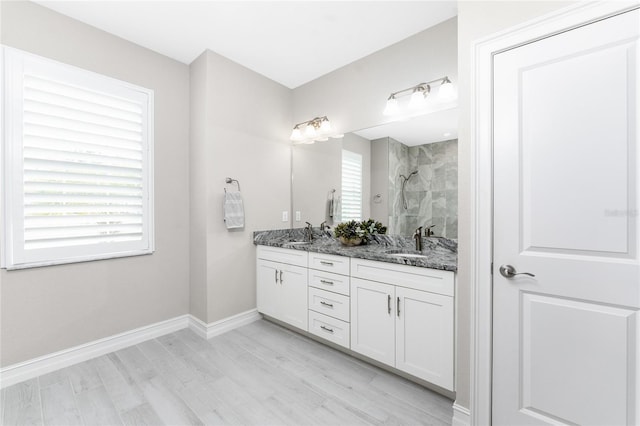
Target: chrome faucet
(428,232)
(309,231)
(324,226)
(418,237)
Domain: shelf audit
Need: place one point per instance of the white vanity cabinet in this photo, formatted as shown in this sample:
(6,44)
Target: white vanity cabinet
(282,284)
(399,315)
(329,305)
(403,316)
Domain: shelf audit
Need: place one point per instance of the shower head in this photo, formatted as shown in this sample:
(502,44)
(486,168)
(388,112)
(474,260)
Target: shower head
(406,178)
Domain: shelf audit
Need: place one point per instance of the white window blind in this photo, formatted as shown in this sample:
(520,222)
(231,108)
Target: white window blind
(77,154)
(351,186)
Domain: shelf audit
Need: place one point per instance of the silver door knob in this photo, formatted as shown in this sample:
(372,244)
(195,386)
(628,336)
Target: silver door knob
(509,271)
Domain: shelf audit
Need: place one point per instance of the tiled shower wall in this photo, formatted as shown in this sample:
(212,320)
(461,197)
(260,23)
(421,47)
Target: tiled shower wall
(431,195)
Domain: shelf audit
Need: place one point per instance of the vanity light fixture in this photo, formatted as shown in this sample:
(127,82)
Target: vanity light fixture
(316,129)
(419,94)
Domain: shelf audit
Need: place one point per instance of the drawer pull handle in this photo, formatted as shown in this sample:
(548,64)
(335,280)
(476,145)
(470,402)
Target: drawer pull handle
(398,307)
(276,271)
(326,282)
(389,304)
(324,262)
(330,330)
(280,276)
(322,302)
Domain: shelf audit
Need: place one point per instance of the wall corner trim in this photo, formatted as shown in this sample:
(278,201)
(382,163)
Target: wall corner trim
(461,416)
(207,331)
(35,367)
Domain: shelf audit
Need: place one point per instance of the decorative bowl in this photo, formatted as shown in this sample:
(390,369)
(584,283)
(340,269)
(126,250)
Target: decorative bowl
(350,242)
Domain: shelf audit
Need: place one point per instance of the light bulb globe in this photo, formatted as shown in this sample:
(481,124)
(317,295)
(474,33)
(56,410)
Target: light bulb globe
(418,100)
(296,134)
(325,127)
(392,107)
(310,132)
(446,91)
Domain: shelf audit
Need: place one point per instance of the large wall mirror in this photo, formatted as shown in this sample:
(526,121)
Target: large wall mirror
(403,174)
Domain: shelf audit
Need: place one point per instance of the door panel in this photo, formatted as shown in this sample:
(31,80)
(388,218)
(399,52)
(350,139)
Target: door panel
(556,335)
(555,140)
(566,341)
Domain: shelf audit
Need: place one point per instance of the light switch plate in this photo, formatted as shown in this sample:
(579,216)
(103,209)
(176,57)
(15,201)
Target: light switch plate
(297,216)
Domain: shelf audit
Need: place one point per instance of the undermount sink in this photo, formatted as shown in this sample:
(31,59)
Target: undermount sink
(297,243)
(408,255)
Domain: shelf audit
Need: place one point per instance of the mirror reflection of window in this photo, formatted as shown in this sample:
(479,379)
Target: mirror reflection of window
(351,202)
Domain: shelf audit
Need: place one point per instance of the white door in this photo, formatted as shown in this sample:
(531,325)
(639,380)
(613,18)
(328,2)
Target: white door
(424,335)
(373,320)
(566,182)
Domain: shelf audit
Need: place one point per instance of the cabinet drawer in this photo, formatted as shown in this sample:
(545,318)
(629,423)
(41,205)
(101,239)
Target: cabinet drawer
(425,279)
(329,263)
(329,328)
(331,304)
(329,281)
(282,255)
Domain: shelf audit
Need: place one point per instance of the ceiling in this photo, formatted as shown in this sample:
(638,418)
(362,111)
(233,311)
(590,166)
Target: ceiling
(291,42)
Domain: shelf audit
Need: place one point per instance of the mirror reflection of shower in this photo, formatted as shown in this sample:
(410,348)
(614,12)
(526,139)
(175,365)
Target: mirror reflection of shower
(405,179)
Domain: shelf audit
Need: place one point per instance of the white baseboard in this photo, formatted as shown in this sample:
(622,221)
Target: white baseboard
(207,331)
(35,367)
(461,416)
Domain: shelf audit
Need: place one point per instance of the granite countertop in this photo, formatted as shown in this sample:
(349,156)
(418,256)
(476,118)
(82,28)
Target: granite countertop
(441,253)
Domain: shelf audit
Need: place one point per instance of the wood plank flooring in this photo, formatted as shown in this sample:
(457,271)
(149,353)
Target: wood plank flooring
(259,374)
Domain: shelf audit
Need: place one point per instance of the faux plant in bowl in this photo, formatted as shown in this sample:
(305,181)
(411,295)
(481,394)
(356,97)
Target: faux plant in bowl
(354,233)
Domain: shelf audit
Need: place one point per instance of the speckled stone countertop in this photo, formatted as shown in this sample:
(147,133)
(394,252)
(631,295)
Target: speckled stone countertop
(441,253)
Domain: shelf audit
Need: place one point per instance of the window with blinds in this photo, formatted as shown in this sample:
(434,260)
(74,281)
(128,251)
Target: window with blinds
(77,164)
(351,186)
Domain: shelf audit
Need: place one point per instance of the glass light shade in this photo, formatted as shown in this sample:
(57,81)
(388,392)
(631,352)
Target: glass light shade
(392,107)
(418,99)
(325,127)
(296,134)
(446,92)
(322,139)
(337,136)
(310,132)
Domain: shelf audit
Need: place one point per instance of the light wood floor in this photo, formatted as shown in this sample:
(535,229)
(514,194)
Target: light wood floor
(259,374)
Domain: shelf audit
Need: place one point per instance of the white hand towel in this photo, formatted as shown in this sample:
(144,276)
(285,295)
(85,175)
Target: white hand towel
(233,210)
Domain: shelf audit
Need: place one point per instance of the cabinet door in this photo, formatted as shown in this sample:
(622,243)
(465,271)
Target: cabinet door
(373,320)
(267,287)
(293,296)
(424,335)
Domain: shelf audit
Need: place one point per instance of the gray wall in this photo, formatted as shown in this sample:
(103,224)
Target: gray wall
(240,131)
(47,309)
(354,96)
(476,20)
